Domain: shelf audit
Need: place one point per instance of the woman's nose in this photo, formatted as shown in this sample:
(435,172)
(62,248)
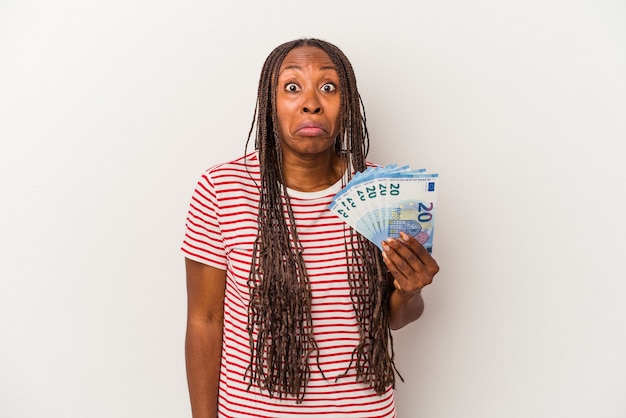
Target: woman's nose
(312,110)
(311,103)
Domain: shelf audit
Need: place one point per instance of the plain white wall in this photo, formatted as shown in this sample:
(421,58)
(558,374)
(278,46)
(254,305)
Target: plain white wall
(109,112)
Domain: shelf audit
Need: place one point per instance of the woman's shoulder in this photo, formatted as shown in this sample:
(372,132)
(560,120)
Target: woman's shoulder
(244,163)
(239,173)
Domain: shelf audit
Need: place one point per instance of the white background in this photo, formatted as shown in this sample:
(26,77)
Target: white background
(111,110)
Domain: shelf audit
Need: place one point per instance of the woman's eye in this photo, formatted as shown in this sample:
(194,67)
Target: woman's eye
(292,87)
(329,87)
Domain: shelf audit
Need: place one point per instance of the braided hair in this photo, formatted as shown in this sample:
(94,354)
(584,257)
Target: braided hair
(280,294)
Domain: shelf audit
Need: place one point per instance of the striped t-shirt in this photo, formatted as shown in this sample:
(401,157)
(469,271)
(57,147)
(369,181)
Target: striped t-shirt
(221,228)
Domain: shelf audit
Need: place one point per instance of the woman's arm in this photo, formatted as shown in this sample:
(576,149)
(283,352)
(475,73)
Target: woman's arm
(411,268)
(404,308)
(203,342)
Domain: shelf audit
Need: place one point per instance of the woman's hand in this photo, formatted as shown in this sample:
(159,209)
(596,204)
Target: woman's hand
(411,268)
(410,264)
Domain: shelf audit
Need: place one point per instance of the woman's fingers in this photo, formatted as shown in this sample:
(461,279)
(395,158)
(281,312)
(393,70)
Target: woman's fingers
(408,261)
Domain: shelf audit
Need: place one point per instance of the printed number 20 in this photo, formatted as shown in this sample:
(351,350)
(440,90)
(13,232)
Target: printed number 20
(424,212)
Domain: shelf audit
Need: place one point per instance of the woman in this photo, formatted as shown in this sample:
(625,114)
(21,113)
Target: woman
(289,309)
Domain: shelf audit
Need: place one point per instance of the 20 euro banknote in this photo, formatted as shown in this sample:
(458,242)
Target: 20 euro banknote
(382,202)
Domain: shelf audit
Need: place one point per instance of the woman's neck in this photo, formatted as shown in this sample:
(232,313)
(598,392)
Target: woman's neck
(314,174)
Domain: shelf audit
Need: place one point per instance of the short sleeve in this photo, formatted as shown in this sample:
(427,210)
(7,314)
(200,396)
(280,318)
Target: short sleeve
(203,241)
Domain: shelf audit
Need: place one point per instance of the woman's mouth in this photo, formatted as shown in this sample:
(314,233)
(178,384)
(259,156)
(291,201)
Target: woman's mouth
(309,128)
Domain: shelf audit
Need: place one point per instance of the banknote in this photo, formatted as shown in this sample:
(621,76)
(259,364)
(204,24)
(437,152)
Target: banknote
(381,202)
(349,207)
(413,209)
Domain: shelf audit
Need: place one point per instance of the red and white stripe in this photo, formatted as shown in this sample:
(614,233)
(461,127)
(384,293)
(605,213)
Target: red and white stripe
(220,231)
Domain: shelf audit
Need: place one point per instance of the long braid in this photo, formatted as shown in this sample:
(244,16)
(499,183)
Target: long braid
(280,294)
(279,289)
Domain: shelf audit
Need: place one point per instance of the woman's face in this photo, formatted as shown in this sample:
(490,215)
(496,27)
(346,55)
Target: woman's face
(307,103)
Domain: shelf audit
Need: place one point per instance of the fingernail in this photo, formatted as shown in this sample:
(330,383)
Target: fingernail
(404,236)
(391,241)
(385,247)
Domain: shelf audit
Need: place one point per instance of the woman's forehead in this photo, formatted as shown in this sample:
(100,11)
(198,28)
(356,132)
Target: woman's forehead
(303,56)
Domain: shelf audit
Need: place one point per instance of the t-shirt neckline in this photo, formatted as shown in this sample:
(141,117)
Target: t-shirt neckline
(334,189)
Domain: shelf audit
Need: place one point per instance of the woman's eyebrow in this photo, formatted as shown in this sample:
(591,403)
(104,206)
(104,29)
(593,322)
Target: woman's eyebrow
(297,67)
(291,67)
